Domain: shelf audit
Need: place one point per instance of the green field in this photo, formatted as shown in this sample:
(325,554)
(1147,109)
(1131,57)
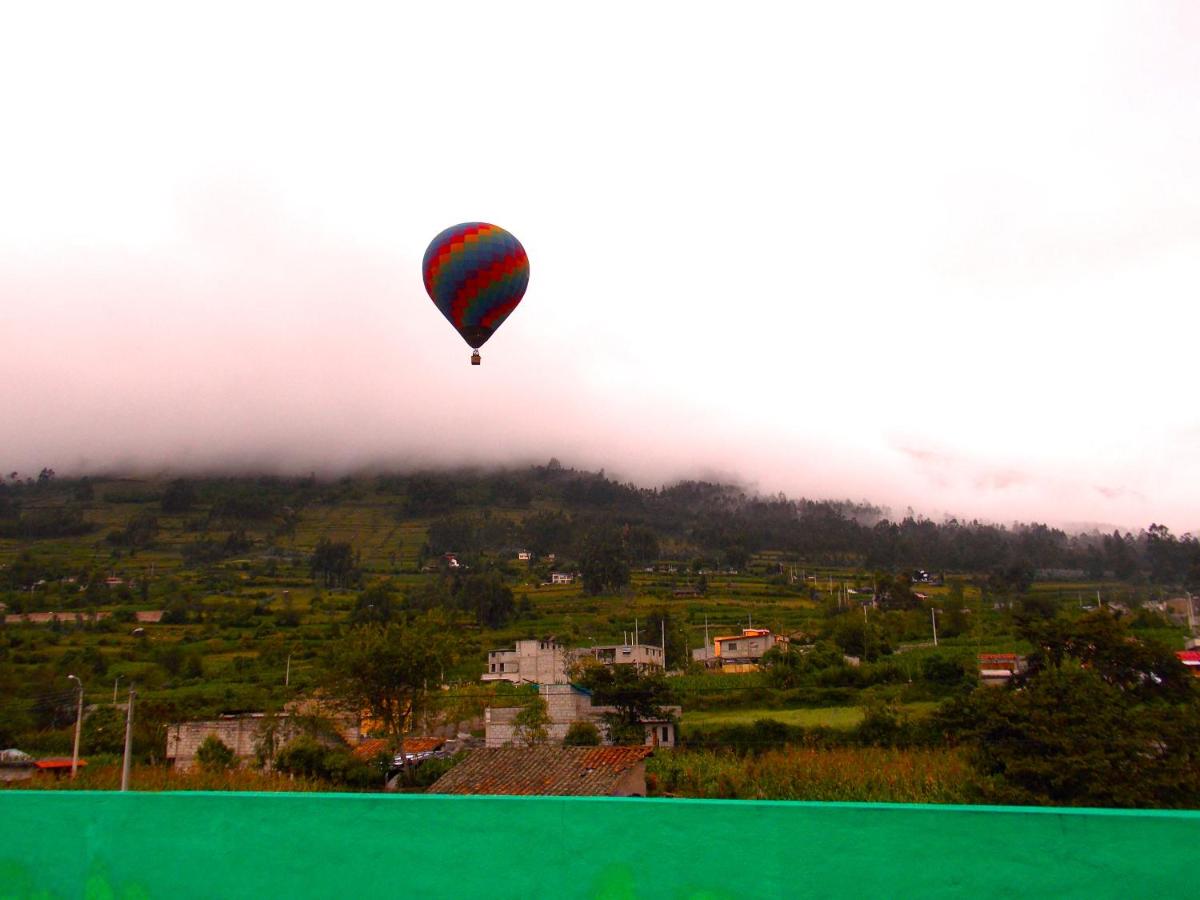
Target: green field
(827,717)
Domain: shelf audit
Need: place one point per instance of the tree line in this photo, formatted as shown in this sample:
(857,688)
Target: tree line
(555,509)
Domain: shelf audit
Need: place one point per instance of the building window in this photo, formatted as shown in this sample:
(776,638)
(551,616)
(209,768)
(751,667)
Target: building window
(731,645)
(665,732)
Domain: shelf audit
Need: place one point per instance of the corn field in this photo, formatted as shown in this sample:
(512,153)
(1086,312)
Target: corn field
(840,774)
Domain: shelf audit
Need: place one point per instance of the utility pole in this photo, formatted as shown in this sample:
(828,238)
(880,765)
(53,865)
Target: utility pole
(933,617)
(116,681)
(128,741)
(287,676)
(78,726)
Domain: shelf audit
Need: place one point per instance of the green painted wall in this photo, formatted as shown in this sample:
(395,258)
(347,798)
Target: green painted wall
(177,845)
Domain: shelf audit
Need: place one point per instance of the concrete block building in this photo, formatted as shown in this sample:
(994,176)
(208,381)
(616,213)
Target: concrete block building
(565,705)
(738,652)
(547,662)
(530,662)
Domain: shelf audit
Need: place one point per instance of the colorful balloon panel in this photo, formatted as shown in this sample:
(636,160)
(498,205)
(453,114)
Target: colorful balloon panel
(476,274)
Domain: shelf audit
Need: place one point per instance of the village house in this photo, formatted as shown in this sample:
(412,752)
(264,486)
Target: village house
(565,705)
(562,577)
(643,656)
(555,771)
(1000,668)
(1191,659)
(738,652)
(548,662)
(530,662)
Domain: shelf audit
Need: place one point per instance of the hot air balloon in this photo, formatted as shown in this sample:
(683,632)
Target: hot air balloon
(476,274)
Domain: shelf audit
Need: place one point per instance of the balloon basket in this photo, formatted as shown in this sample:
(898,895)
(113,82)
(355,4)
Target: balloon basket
(475,358)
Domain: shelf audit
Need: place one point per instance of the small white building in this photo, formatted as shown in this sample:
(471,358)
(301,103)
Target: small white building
(562,577)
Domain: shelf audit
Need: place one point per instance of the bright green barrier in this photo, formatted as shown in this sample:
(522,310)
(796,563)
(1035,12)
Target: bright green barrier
(112,845)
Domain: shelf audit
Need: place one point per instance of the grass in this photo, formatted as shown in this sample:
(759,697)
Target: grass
(825,717)
(162,778)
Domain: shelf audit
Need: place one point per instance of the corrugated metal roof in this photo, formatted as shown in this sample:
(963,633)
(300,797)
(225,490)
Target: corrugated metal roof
(58,763)
(559,771)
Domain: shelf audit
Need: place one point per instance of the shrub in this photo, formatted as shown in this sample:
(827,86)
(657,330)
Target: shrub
(582,734)
(308,758)
(214,755)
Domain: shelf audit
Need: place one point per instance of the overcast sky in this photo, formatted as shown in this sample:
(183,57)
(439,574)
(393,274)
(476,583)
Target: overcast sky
(944,256)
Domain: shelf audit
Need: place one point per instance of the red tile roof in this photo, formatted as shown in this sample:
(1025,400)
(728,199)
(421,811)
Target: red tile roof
(374,746)
(422,744)
(371,747)
(563,771)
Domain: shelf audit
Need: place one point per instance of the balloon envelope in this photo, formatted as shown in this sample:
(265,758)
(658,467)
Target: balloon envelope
(476,274)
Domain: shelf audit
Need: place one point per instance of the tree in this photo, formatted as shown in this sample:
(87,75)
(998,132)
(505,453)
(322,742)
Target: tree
(531,723)
(430,494)
(14,710)
(453,534)
(214,755)
(861,637)
(635,696)
(1100,718)
(389,670)
(660,623)
(603,563)
(488,597)
(376,604)
(582,734)
(641,544)
(333,562)
(179,497)
(547,532)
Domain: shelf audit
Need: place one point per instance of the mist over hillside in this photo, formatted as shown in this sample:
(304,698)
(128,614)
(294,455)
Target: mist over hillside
(554,508)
